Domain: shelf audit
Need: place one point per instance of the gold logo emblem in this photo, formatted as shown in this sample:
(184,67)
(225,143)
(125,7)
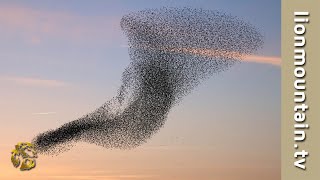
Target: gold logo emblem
(24,155)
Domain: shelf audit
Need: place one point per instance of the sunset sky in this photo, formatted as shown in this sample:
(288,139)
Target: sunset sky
(62,59)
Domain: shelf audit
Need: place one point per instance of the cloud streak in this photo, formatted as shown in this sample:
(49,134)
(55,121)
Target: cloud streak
(43,113)
(223,54)
(276,61)
(33,81)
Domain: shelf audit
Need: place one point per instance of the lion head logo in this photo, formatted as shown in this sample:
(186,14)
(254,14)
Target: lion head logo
(24,155)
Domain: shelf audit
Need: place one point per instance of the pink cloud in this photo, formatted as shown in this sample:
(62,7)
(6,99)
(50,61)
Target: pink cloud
(34,25)
(263,59)
(219,53)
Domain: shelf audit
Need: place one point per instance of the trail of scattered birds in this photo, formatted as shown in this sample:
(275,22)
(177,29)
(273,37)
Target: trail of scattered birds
(172,50)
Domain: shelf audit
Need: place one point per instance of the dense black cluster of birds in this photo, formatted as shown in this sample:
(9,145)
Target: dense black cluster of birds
(171,50)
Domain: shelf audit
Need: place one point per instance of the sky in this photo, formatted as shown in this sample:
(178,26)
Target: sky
(62,59)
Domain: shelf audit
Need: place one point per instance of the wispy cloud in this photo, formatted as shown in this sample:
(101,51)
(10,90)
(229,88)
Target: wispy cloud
(228,54)
(33,81)
(34,24)
(44,113)
(263,59)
